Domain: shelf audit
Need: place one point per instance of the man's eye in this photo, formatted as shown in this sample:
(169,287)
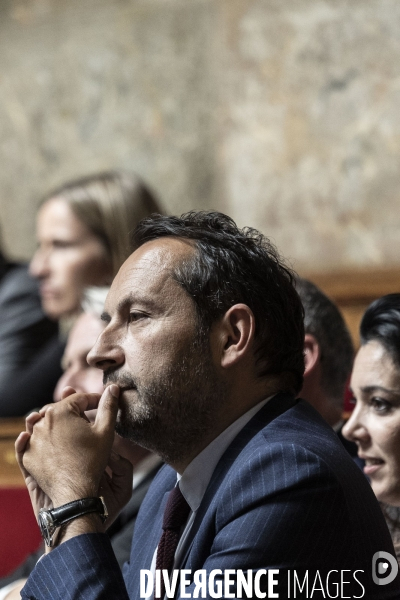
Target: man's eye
(135,316)
(380,406)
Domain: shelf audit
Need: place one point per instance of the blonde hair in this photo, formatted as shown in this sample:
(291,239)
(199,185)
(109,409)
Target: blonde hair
(110,204)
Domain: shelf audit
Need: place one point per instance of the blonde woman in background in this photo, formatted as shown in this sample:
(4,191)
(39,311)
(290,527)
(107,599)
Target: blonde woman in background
(83,233)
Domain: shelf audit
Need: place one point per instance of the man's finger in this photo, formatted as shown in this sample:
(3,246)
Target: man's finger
(21,441)
(31,420)
(108,409)
(83,402)
(44,409)
(67,391)
(20,447)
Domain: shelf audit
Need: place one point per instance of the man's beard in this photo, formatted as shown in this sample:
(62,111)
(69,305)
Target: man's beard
(177,407)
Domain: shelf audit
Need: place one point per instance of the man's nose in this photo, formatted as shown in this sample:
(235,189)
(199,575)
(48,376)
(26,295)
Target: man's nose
(106,353)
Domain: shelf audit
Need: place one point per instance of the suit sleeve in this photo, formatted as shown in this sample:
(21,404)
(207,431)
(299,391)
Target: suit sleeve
(83,568)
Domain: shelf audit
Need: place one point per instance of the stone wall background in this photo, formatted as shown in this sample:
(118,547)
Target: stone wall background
(283,113)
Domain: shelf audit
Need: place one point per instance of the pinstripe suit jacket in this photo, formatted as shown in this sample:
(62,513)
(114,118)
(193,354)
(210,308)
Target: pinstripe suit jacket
(284,495)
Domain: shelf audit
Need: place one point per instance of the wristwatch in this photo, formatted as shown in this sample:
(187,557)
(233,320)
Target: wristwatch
(50,520)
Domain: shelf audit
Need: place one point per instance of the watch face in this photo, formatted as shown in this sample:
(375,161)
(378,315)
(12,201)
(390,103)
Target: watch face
(46,525)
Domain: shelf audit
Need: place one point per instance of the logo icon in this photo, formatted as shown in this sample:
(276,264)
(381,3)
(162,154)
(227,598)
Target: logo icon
(384,568)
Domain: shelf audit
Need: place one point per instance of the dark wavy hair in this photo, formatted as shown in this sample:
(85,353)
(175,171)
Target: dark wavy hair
(231,266)
(381,322)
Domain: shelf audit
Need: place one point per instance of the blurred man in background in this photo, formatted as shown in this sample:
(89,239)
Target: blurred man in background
(328,354)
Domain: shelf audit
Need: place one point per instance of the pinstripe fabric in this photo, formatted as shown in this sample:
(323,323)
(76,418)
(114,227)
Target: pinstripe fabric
(284,495)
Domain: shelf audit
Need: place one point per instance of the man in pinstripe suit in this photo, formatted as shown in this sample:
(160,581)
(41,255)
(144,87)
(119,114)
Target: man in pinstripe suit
(202,356)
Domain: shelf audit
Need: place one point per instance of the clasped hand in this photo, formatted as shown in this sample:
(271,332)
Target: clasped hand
(63,456)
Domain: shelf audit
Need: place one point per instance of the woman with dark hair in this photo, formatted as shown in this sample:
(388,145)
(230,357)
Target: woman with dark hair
(83,232)
(375,422)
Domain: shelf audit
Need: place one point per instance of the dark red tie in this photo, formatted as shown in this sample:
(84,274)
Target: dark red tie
(175,516)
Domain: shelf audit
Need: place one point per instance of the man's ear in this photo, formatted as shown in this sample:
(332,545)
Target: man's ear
(312,353)
(235,334)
